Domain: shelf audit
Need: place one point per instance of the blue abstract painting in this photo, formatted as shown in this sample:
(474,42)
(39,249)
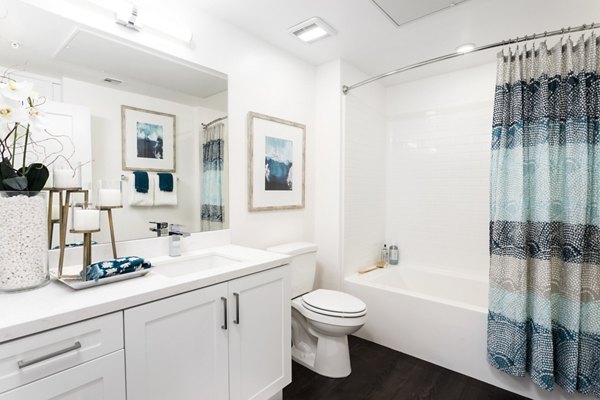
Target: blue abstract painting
(149,140)
(278,163)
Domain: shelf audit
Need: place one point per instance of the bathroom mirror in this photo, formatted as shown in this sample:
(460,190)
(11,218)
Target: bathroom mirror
(123,108)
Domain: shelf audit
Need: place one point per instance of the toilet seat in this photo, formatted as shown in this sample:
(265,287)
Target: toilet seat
(334,304)
(321,317)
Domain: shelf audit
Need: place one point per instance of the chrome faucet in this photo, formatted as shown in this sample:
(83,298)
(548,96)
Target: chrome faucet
(161,229)
(176,233)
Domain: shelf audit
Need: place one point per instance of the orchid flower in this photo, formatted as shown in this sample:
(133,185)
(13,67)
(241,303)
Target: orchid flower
(16,91)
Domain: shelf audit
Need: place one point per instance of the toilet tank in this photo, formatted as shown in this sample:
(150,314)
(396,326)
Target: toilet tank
(303,265)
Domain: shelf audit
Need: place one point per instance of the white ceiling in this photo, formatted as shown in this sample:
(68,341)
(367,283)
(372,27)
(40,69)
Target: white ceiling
(400,13)
(57,47)
(367,38)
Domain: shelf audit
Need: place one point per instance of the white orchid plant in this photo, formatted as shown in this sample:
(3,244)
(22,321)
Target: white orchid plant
(21,118)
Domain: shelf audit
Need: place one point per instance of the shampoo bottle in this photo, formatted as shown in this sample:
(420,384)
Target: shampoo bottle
(384,255)
(394,254)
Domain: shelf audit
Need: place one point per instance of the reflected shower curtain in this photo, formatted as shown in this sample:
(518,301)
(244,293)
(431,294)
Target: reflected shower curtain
(544,310)
(213,150)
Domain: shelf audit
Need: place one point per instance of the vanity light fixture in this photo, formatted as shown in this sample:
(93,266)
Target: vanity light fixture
(465,48)
(129,15)
(311,30)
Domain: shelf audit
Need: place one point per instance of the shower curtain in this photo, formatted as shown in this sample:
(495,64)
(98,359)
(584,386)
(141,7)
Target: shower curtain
(544,301)
(213,150)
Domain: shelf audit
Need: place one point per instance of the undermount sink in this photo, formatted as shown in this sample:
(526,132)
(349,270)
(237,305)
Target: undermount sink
(190,265)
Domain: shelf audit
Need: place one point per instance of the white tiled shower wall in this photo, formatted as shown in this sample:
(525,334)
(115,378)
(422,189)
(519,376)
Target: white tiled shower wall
(438,156)
(364,172)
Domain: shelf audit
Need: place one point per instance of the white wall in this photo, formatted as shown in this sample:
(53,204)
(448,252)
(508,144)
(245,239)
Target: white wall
(328,180)
(350,183)
(261,78)
(438,161)
(364,172)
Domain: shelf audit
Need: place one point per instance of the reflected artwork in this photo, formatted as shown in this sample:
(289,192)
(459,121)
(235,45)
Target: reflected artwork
(149,140)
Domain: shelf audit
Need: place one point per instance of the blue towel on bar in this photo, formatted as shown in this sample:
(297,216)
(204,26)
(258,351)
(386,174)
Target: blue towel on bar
(142,182)
(165,181)
(118,266)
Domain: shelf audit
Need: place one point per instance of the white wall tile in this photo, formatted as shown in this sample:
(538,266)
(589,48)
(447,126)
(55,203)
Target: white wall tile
(437,191)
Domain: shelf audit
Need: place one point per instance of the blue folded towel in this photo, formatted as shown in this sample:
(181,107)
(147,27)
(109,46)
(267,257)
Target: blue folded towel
(142,182)
(74,244)
(118,266)
(165,181)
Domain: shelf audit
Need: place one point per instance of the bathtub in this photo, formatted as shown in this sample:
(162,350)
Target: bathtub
(436,315)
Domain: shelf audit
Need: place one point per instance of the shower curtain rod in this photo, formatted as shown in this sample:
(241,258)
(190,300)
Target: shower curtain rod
(562,31)
(213,122)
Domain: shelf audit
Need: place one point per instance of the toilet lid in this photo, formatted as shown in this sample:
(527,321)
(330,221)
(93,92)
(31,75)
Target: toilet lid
(333,302)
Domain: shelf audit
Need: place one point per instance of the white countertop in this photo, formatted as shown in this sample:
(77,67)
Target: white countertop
(54,305)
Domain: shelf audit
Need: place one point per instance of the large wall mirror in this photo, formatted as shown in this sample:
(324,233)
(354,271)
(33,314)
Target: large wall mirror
(122,108)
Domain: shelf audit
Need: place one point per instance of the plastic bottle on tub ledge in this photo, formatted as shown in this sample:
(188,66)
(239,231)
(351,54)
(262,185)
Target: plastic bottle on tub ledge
(394,254)
(385,256)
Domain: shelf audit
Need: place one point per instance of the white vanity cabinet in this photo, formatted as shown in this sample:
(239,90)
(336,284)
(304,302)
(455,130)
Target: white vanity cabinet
(260,335)
(227,341)
(176,348)
(100,379)
(84,360)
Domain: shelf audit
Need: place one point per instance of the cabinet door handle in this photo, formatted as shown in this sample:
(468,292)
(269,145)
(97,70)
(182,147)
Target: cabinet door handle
(237,309)
(224,326)
(23,363)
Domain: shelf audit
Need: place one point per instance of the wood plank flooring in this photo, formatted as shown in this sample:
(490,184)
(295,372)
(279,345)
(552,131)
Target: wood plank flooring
(379,373)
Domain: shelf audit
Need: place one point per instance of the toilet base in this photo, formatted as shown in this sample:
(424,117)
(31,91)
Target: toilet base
(320,342)
(331,359)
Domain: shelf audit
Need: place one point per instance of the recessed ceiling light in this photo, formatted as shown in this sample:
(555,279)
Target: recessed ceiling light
(311,30)
(15,45)
(465,48)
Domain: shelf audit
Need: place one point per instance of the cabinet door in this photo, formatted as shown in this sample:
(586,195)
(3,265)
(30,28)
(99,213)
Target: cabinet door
(100,379)
(260,334)
(176,348)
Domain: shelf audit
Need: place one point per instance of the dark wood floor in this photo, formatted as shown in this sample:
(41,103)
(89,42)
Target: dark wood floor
(379,373)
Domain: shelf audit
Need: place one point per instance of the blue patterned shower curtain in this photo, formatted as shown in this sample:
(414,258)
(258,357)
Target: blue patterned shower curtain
(544,302)
(213,150)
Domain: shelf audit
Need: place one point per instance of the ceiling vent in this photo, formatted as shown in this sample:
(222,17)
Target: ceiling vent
(312,29)
(113,81)
(401,12)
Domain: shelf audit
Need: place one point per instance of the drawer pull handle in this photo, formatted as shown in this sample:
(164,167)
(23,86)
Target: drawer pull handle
(224,326)
(237,309)
(23,363)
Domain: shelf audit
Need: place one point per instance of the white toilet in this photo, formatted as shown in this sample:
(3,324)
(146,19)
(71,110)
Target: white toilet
(321,319)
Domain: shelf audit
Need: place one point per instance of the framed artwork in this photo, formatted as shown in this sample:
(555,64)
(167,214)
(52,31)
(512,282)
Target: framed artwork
(148,140)
(276,158)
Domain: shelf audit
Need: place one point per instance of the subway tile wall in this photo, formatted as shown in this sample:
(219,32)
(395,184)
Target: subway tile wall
(364,180)
(438,165)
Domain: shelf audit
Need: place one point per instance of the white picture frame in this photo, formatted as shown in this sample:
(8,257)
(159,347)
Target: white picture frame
(276,163)
(148,140)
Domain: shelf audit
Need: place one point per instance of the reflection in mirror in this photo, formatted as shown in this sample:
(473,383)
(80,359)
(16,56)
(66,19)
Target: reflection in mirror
(175,128)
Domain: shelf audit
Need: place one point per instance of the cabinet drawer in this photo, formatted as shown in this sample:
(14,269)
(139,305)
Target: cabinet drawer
(34,357)
(101,379)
